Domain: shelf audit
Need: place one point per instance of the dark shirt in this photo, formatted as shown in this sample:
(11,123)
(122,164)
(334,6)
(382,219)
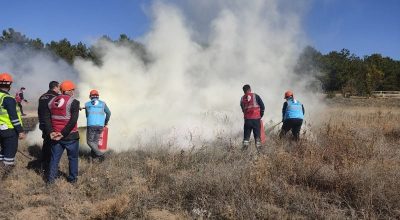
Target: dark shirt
(285,107)
(67,130)
(10,105)
(260,103)
(43,108)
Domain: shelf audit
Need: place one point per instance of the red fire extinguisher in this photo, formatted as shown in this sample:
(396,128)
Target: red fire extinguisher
(103,139)
(262,132)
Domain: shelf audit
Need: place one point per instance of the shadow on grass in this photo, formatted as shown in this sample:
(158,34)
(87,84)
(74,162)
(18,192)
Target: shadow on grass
(37,165)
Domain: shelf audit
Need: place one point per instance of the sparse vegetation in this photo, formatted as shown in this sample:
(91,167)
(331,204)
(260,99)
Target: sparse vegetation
(347,167)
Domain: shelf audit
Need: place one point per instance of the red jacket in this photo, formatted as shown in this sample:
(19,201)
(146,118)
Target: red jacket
(60,109)
(251,109)
(18,96)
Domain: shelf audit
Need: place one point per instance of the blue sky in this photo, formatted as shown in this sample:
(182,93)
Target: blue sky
(362,26)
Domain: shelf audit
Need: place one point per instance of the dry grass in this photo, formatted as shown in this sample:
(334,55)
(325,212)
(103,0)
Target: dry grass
(349,169)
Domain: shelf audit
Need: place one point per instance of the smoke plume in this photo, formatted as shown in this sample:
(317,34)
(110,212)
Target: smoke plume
(189,93)
(201,54)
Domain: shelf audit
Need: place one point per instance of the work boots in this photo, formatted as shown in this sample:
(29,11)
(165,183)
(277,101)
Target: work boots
(246,144)
(258,145)
(6,170)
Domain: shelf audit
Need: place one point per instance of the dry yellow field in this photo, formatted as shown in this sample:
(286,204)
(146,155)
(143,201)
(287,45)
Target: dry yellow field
(346,166)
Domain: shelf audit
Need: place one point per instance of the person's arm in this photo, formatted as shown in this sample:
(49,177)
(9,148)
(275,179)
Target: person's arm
(11,106)
(86,111)
(108,114)
(241,105)
(284,110)
(73,120)
(261,104)
(48,127)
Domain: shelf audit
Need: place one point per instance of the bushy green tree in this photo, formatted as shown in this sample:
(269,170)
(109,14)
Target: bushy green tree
(345,72)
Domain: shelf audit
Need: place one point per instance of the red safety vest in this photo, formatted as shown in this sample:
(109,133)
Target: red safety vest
(60,109)
(18,97)
(251,107)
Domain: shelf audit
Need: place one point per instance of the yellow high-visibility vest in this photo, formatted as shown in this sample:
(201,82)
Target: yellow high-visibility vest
(4,117)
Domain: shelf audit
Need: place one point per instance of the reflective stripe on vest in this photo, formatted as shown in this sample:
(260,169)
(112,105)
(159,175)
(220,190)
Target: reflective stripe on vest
(96,115)
(5,118)
(294,109)
(60,109)
(251,107)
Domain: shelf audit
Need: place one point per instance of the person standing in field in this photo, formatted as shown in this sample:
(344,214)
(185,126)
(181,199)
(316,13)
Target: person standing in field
(10,126)
(253,110)
(97,115)
(292,116)
(43,112)
(62,129)
(19,97)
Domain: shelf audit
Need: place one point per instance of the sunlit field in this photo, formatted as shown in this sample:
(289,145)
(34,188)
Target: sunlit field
(347,165)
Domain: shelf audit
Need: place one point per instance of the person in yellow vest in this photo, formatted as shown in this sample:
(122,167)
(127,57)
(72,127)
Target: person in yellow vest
(10,126)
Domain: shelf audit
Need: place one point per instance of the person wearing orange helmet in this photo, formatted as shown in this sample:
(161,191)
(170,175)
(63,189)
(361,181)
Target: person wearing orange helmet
(292,116)
(61,127)
(97,115)
(10,126)
(253,110)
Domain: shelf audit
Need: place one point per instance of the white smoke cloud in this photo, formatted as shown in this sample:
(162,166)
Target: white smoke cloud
(191,90)
(33,69)
(202,53)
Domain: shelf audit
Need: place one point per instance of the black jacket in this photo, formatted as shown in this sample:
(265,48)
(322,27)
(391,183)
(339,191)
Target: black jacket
(43,108)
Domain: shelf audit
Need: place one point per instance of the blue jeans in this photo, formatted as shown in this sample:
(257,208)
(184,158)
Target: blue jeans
(57,150)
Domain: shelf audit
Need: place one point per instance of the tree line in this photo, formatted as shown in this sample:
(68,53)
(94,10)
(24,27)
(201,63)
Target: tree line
(336,71)
(64,49)
(342,71)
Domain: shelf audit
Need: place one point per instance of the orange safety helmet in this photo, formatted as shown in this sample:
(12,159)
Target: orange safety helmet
(94,93)
(67,85)
(288,94)
(6,78)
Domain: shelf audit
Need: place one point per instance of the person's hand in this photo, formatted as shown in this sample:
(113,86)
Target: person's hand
(21,135)
(56,136)
(53,135)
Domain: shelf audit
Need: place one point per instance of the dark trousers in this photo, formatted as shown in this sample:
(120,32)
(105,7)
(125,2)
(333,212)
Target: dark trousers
(293,124)
(251,125)
(20,107)
(46,152)
(9,146)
